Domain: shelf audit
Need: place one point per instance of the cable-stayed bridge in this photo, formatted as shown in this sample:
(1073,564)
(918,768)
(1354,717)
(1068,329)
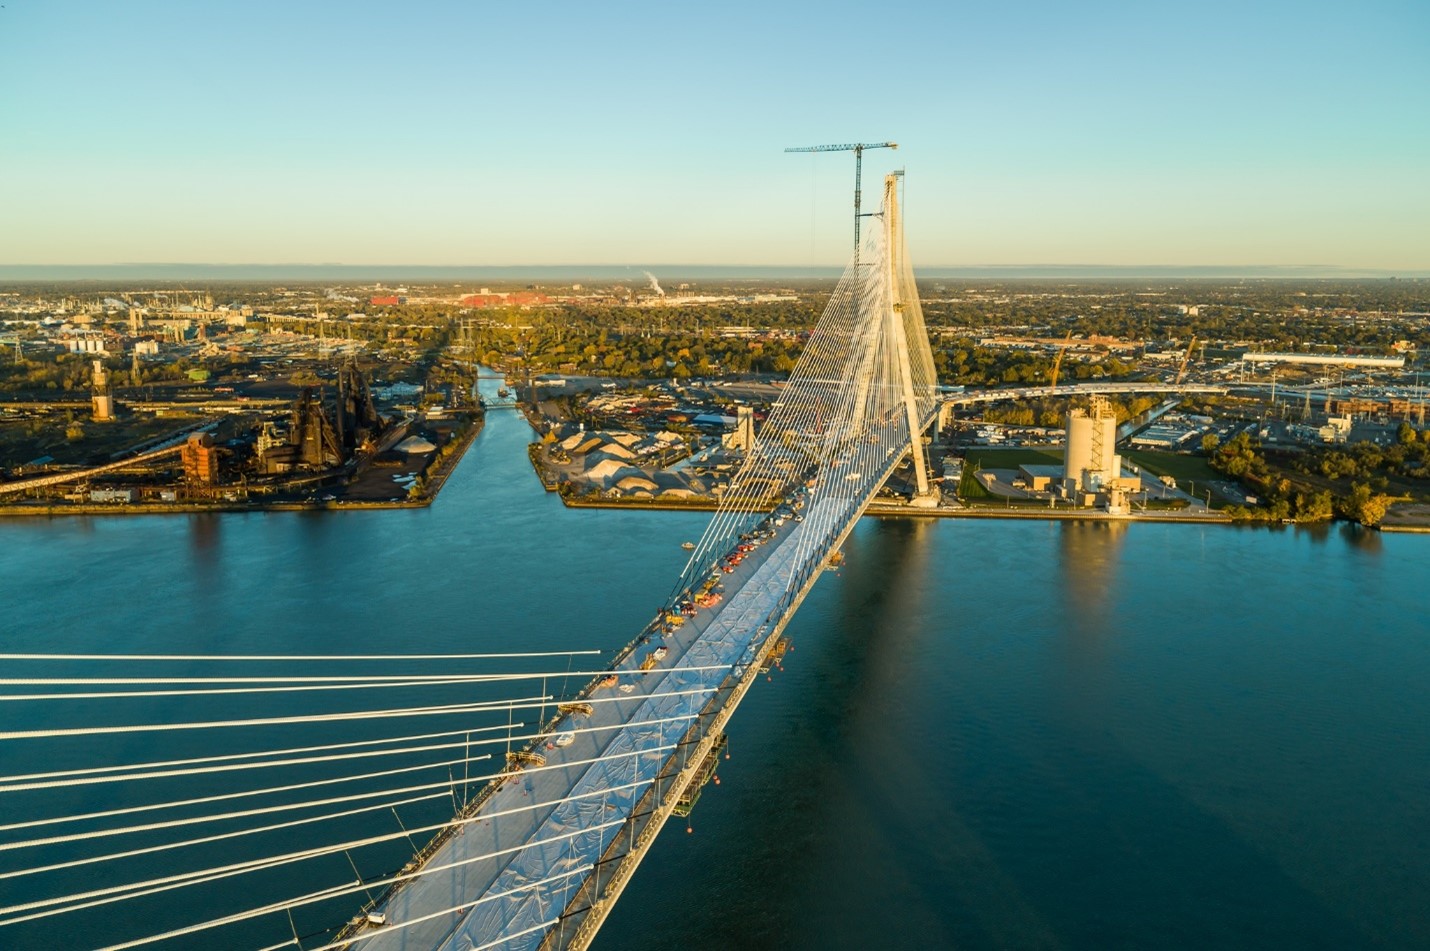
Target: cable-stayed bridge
(564,815)
(542,857)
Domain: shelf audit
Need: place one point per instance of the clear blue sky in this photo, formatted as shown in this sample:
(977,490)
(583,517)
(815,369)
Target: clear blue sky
(479,133)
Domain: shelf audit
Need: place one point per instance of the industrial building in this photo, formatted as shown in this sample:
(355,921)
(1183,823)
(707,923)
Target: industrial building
(1092,469)
(102,400)
(314,441)
(1326,359)
(744,435)
(200,459)
(1090,458)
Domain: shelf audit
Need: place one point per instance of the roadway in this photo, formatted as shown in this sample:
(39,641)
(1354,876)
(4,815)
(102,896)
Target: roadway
(560,819)
(1036,392)
(547,849)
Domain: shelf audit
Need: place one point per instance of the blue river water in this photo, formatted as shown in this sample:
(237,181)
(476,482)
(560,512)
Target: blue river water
(989,734)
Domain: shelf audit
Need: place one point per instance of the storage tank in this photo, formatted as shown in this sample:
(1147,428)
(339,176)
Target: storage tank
(1091,455)
(1079,449)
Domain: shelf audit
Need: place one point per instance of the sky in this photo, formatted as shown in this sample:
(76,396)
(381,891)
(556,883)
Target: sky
(651,134)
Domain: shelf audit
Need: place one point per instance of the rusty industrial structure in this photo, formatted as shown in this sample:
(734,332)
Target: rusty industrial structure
(1392,407)
(200,459)
(309,443)
(316,441)
(102,398)
(356,417)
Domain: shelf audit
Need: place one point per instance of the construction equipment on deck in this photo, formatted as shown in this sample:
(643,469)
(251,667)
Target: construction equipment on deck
(703,774)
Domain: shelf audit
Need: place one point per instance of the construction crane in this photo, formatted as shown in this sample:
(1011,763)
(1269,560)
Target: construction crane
(858,149)
(1182,370)
(1057,364)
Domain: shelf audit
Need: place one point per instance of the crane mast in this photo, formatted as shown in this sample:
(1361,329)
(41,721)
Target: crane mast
(1182,369)
(1058,363)
(858,149)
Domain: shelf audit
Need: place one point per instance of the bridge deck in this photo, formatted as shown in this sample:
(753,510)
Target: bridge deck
(548,847)
(532,856)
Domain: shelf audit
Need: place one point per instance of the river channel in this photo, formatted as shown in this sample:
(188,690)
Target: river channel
(989,734)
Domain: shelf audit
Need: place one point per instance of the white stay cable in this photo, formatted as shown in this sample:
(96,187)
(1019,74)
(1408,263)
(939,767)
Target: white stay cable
(501,705)
(264,658)
(161,769)
(46,908)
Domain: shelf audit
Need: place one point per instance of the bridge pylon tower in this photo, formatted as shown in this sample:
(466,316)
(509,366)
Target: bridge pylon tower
(904,297)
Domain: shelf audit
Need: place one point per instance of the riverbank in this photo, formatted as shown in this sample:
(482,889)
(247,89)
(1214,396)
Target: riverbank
(1075,515)
(645,505)
(435,479)
(886,510)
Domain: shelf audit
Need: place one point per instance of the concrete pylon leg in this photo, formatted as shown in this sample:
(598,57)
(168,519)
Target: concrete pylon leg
(925,496)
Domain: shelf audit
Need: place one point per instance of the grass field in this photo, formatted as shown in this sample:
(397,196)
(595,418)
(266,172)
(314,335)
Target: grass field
(989,458)
(1182,468)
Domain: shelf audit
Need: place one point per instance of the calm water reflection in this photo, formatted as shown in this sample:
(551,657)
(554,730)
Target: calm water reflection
(988,735)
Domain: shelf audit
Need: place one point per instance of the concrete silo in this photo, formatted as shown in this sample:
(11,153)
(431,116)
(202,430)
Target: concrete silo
(1091,458)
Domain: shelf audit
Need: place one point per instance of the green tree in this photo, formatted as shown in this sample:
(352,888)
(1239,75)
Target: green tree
(1364,505)
(1315,507)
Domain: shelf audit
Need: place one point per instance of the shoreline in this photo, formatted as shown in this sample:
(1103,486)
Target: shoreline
(438,478)
(1405,529)
(902,511)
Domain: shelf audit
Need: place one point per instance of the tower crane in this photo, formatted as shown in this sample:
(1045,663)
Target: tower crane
(858,149)
(1182,369)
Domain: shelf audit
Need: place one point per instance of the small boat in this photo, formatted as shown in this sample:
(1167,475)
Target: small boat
(688,546)
(565,739)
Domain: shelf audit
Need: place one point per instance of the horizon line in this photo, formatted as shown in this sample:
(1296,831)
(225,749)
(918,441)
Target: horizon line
(668,264)
(20,271)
